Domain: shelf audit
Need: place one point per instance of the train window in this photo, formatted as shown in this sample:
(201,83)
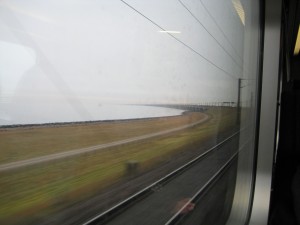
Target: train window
(127,111)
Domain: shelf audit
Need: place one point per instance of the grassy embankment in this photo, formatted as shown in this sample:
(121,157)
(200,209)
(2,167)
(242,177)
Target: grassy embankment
(28,142)
(37,190)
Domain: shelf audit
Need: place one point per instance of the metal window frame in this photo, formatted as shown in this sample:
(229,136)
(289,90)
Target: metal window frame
(267,127)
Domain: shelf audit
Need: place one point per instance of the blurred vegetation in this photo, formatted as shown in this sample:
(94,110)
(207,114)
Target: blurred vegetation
(44,188)
(27,142)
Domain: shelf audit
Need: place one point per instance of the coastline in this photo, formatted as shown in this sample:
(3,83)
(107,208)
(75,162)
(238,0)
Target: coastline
(88,122)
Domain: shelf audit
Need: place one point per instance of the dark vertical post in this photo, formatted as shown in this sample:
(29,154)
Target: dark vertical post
(238,114)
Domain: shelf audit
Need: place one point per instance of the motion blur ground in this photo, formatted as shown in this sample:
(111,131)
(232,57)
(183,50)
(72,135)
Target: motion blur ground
(70,180)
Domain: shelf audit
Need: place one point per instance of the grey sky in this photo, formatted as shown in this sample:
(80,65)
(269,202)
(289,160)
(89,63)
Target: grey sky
(72,51)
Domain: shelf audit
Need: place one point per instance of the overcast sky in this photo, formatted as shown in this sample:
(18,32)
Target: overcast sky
(112,51)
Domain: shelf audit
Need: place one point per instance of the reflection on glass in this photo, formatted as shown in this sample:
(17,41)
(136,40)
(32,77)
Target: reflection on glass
(102,99)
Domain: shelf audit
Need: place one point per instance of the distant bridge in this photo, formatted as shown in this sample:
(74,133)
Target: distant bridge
(201,107)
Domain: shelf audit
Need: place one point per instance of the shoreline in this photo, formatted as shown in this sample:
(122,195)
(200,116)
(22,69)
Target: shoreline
(88,122)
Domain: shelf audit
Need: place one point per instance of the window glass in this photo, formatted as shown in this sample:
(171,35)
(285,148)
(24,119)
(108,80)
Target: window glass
(125,112)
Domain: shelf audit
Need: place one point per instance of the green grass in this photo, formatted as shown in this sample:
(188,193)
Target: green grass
(23,143)
(44,188)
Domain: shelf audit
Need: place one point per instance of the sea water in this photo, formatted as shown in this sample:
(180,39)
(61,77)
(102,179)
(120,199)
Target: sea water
(57,112)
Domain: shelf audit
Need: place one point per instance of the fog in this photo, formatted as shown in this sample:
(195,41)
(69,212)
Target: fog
(61,55)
